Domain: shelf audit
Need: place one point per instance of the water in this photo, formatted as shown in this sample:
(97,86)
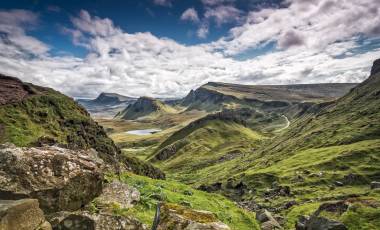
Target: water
(143,131)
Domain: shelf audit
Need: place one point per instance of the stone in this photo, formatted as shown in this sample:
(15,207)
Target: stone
(83,220)
(23,214)
(266,220)
(353,179)
(178,217)
(338,183)
(301,223)
(120,193)
(375,185)
(61,179)
(322,223)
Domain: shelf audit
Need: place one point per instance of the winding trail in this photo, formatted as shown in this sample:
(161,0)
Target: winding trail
(286,126)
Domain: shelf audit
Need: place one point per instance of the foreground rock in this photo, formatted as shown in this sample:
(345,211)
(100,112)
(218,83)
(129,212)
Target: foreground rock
(178,217)
(85,220)
(23,214)
(118,193)
(59,178)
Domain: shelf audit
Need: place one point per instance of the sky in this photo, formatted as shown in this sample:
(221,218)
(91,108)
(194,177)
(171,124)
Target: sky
(165,48)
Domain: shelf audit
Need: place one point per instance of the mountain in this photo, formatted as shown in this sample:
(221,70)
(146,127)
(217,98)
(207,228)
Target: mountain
(324,157)
(215,96)
(112,98)
(31,115)
(143,107)
(106,104)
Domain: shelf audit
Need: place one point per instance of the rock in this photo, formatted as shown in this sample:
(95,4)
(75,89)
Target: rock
(375,185)
(290,204)
(188,193)
(61,179)
(178,217)
(353,179)
(120,193)
(322,223)
(316,222)
(266,220)
(375,67)
(85,220)
(211,188)
(338,183)
(23,214)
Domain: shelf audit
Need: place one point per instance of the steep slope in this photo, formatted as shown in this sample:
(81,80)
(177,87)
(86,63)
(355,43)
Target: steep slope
(215,96)
(144,106)
(330,153)
(31,115)
(204,143)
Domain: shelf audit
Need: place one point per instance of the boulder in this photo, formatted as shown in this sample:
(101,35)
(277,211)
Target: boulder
(178,217)
(81,220)
(266,220)
(61,179)
(375,185)
(116,192)
(322,223)
(23,214)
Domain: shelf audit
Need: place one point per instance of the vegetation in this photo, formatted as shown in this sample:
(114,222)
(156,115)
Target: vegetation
(152,191)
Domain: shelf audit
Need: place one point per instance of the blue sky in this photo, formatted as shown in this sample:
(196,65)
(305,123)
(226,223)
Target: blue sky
(164,48)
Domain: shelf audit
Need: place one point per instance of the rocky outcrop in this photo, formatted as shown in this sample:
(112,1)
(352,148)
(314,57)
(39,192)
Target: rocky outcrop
(118,193)
(111,99)
(375,185)
(179,217)
(13,90)
(318,222)
(375,67)
(61,179)
(23,214)
(85,220)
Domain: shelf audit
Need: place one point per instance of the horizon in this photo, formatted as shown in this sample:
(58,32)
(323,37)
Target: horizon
(165,48)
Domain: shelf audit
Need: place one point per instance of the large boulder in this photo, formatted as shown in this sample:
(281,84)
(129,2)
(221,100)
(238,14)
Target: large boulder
(178,217)
(23,214)
(118,193)
(81,220)
(61,179)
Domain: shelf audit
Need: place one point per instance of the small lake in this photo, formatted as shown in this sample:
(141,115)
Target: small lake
(143,131)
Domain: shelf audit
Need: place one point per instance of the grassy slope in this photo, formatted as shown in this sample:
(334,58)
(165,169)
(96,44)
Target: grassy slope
(173,192)
(208,144)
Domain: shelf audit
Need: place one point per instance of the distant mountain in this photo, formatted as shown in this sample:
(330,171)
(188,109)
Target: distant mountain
(112,98)
(106,104)
(214,95)
(145,106)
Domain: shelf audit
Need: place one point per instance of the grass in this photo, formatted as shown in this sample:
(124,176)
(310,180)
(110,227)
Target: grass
(176,193)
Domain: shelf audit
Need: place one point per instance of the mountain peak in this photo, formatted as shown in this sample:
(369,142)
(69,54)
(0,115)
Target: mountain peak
(375,67)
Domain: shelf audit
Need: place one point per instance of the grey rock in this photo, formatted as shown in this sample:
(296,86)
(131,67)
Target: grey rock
(375,185)
(120,193)
(23,214)
(61,179)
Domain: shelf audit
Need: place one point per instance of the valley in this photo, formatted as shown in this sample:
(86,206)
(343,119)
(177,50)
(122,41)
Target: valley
(251,157)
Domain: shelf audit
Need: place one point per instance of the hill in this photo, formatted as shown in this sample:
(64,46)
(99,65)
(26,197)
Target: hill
(31,115)
(329,153)
(112,98)
(143,107)
(215,96)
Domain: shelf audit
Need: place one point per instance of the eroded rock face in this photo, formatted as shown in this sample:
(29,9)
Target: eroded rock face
(61,179)
(83,220)
(116,192)
(178,217)
(23,214)
(13,90)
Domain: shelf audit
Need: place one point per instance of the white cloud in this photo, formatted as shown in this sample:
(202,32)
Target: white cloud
(223,14)
(203,30)
(143,64)
(190,15)
(313,24)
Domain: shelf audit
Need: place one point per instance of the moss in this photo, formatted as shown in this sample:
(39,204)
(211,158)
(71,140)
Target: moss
(190,214)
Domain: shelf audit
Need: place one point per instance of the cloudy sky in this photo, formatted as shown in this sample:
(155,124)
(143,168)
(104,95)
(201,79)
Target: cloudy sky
(164,48)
